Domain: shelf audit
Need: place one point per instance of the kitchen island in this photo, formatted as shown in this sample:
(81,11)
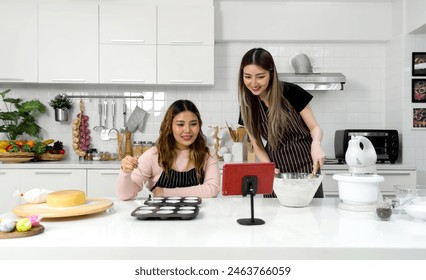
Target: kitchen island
(321,231)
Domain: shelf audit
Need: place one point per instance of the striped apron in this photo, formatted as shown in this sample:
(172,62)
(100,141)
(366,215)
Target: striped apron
(178,179)
(294,151)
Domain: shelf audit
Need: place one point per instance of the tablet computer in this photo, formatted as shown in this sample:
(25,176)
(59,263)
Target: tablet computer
(233,175)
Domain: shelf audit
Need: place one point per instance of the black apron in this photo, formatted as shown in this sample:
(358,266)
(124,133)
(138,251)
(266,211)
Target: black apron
(177,179)
(293,154)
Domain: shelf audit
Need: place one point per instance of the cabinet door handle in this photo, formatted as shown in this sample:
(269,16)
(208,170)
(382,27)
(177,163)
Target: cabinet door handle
(186,42)
(52,172)
(128,81)
(394,173)
(186,81)
(128,41)
(110,173)
(2,173)
(68,80)
(11,79)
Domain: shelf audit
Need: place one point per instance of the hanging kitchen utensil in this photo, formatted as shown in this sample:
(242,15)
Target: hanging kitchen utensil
(112,134)
(124,128)
(99,127)
(141,125)
(105,130)
(136,118)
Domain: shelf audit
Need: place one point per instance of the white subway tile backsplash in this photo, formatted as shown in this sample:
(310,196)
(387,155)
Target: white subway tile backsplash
(360,105)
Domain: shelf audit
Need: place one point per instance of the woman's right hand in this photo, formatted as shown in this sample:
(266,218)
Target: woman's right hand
(128,164)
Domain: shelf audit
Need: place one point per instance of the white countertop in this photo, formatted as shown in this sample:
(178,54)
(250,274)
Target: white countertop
(321,231)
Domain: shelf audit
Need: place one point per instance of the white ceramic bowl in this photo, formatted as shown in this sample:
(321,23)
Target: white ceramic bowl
(296,189)
(358,189)
(417,211)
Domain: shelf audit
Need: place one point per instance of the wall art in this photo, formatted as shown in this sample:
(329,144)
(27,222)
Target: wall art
(418,64)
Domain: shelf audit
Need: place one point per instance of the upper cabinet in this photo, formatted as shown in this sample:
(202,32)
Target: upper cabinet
(320,20)
(107,41)
(415,16)
(185,45)
(128,36)
(185,25)
(18,40)
(68,41)
(127,22)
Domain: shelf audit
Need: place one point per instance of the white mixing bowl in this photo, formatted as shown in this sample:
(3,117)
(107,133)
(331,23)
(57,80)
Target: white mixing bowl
(355,189)
(296,189)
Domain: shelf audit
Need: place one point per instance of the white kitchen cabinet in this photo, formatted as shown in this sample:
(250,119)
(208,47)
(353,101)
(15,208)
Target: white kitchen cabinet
(102,183)
(18,41)
(128,36)
(53,179)
(185,52)
(68,41)
(128,64)
(127,22)
(185,65)
(10,182)
(186,25)
(393,176)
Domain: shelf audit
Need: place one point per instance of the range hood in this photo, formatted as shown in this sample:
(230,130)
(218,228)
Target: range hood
(305,78)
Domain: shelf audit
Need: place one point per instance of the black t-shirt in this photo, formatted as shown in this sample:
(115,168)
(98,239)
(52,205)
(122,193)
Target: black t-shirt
(297,96)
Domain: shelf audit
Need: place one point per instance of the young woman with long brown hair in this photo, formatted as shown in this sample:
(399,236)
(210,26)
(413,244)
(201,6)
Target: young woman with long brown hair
(180,163)
(279,114)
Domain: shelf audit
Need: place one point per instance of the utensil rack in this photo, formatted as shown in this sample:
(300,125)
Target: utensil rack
(106,96)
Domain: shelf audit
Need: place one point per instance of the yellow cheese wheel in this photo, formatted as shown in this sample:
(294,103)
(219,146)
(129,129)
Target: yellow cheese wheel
(66,198)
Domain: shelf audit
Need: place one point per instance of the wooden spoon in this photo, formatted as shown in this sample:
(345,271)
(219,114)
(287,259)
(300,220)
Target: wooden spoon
(231,132)
(314,170)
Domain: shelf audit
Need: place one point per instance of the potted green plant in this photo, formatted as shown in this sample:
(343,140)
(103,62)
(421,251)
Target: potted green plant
(20,116)
(62,104)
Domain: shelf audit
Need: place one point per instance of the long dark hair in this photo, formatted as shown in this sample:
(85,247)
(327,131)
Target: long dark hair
(250,105)
(166,143)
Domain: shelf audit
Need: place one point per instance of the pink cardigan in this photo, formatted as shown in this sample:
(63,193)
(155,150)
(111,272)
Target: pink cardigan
(130,184)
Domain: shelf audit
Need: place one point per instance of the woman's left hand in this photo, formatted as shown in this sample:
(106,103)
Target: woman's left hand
(317,154)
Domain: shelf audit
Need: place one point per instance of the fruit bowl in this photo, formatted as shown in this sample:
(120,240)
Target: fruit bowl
(49,156)
(296,189)
(16,157)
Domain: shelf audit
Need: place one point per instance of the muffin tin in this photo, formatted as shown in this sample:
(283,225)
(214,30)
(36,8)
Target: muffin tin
(173,201)
(163,208)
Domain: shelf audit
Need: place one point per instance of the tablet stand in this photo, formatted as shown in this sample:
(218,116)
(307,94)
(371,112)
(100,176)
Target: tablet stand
(249,186)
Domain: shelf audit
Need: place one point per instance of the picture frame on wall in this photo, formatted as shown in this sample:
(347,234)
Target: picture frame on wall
(418,64)
(418,90)
(419,118)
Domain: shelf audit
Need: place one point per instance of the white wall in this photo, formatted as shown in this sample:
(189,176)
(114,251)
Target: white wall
(360,105)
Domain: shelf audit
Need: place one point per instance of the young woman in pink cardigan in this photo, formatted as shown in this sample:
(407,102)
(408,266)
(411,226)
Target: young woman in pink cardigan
(180,163)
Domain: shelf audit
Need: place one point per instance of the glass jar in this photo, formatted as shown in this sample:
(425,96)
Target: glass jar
(137,149)
(146,145)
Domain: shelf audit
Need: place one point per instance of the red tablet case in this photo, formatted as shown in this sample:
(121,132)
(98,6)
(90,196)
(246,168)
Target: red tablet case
(233,174)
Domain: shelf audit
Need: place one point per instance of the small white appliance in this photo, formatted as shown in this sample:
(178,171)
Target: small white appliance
(359,189)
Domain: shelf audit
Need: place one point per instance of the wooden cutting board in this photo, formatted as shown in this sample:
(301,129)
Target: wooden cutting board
(92,205)
(17,234)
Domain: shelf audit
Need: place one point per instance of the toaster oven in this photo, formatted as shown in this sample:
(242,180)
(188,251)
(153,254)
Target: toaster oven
(385,142)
